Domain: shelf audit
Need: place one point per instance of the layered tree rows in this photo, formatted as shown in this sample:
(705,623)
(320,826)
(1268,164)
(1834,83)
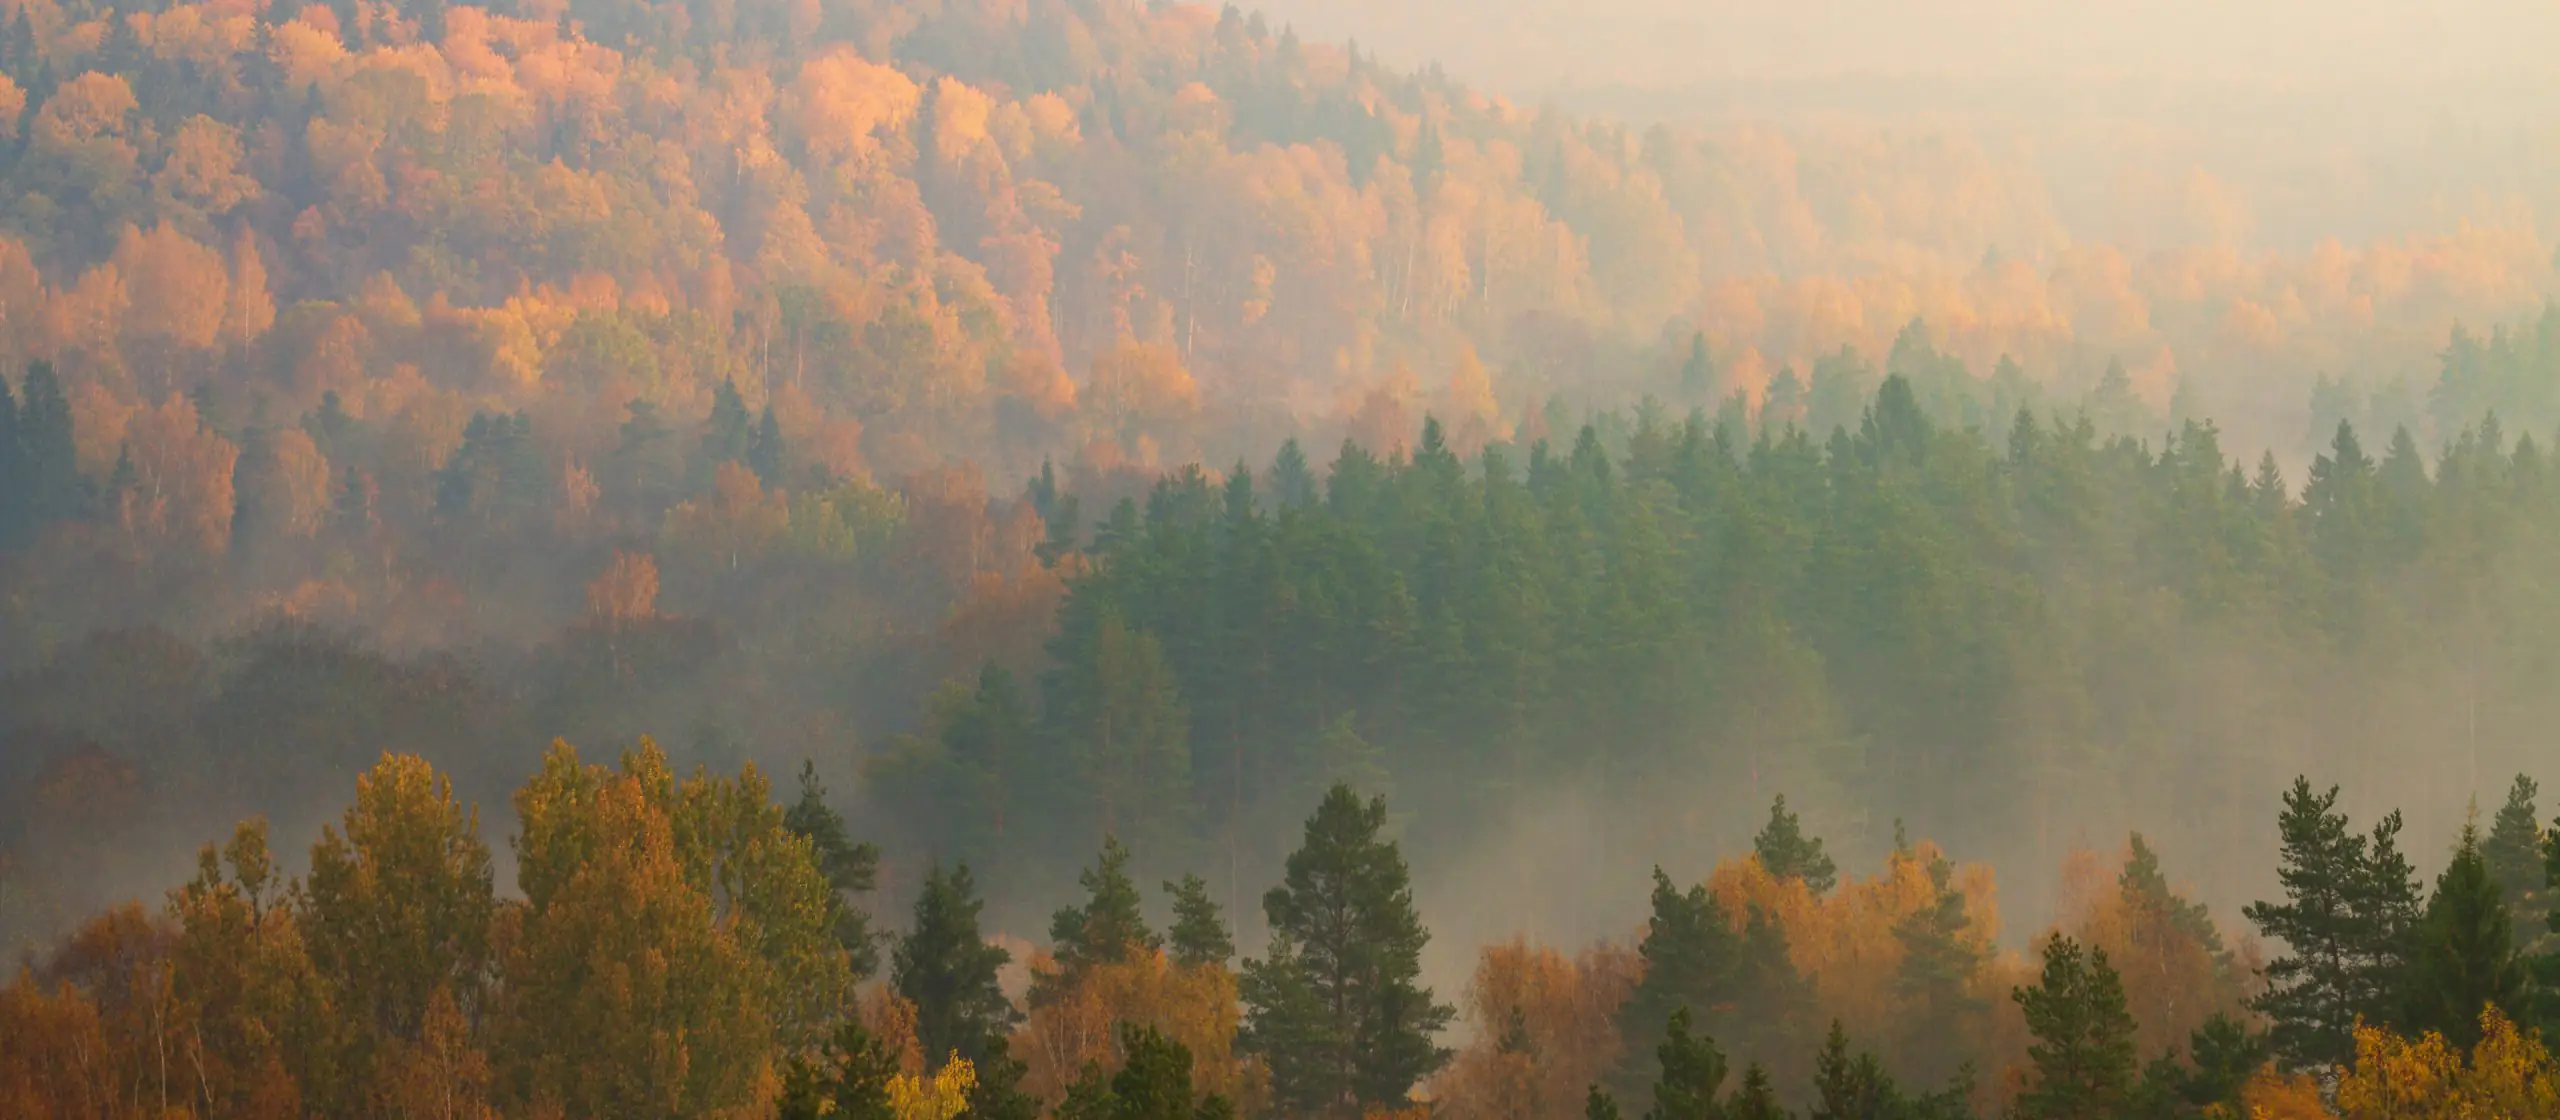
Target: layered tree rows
(693,947)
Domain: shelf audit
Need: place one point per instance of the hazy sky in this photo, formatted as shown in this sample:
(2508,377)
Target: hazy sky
(1523,47)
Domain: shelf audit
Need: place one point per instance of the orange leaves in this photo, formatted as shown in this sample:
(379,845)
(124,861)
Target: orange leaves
(181,498)
(56,1063)
(1195,1006)
(179,289)
(1136,385)
(87,108)
(842,106)
(1545,1029)
(737,522)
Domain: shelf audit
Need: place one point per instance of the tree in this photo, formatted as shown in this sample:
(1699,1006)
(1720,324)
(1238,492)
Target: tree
(398,904)
(1688,951)
(1199,936)
(2343,923)
(1335,1006)
(851,869)
(765,454)
(1788,853)
(48,484)
(1692,1074)
(1122,718)
(849,1080)
(997,1092)
(1153,1083)
(1755,1098)
(2464,958)
(728,432)
(1934,984)
(948,971)
(2513,850)
(1858,1088)
(2083,1056)
(1107,929)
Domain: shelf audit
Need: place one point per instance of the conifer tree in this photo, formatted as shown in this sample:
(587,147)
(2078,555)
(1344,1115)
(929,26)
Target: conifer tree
(1336,1007)
(1199,935)
(997,1092)
(2344,925)
(1692,1073)
(851,869)
(1597,1104)
(765,453)
(2083,1056)
(948,970)
(1688,951)
(2513,850)
(1934,983)
(729,430)
(1107,929)
(1787,853)
(48,479)
(2465,957)
(1756,1099)
(1153,1083)
(1858,1088)
(849,1080)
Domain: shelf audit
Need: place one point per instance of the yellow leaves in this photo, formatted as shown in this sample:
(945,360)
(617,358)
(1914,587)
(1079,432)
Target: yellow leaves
(2279,1096)
(941,1096)
(842,106)
(960,119)
(2509,1074)
(306,55)
(627,591)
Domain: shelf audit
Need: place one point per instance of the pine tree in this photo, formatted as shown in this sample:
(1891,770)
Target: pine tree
(1756,1099)
(1153,1083)
(1934,983)
(1787,853)
(997,1093)
(2222,1056)
(1688,951)
(1597,1104)
(1698,373)
(765,450)
(2343,925)
(1199,936)
(852,869)
(12,498)
(1847,1088)
(1107,929)
(850,1079)
(2083,1056)
(948,970)
(1335,1006)
(1692,1073)
(2465,955)
(2514,853)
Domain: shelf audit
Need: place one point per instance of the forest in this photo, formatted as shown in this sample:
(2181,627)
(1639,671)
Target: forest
(1106,459)
(693,947)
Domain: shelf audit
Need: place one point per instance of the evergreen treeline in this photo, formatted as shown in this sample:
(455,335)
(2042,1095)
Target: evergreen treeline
(1988,633)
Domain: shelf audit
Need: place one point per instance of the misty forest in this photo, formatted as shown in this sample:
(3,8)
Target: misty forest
(1011,559)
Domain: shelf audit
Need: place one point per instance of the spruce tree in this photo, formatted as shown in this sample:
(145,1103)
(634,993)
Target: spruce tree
(1336,1007)
(2465,956)
(48,460)
(12,473)
(2513,850)
(2083,1056)
(1199,935)
(1108,929)
(2343,924)
(851,869)
(765,452)
(1787,853)
(727,433)
(948,970)
(1756,1099)
(848,1081)
(1858,1088)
